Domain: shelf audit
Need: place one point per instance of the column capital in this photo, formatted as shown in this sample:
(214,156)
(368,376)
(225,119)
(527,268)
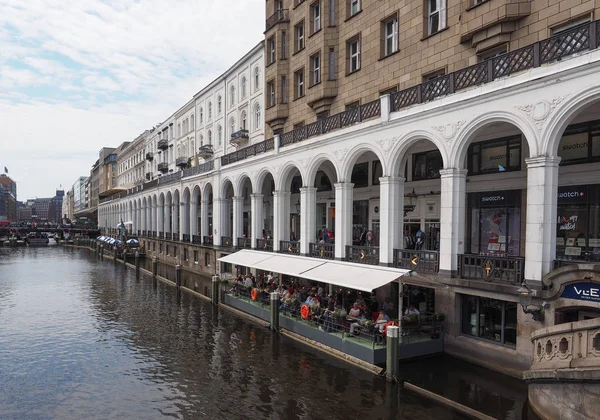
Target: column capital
(385,180)
(238,199)
(343,185)
(453,173)
(542,161)
(282,193)
(308,190)
(256,196)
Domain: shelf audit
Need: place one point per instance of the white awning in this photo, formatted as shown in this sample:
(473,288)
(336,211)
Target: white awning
(350,275)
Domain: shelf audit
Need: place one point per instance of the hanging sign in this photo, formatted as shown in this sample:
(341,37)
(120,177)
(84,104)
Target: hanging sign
(582,291)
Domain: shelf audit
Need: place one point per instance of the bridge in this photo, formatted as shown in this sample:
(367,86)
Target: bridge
(7,231)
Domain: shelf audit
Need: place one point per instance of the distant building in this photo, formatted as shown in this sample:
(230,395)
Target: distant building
(67,207)
(79,193)
(8,202)
(55,207)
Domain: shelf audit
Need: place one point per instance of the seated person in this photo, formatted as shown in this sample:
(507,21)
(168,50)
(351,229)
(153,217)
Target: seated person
(390,311)
(382,321)
(354,315)
(412,311)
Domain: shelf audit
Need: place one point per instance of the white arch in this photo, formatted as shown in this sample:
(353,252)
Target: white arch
(314,165)
(399,151)
(352,156)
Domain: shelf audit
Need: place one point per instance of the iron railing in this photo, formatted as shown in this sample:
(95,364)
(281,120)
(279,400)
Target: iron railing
(362,254)
(226,241)
(149,156)
(196,240)
(163,144)
(207,240)
(244,243)
(241,134)
(264,244)
(200,169)
(281,15)
(186,237)
(491,268)
(252,150)
(161,235)
(289,247)
(325,251)
(170,178)
(163,167)
(181,161)
(421,261)
(205,151)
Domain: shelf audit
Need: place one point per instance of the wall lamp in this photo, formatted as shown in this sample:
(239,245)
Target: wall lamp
(536,311)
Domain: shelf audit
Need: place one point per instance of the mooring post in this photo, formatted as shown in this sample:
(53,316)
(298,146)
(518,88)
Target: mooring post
(178,275)
(137,262)
(102,252)
(124,257)
(215,290)
(274,298)
(154,267)
(392,354)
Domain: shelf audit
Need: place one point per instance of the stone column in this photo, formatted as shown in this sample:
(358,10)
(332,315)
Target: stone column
(167,227)
(160,213)
(193,218)
(308,223)
(204,228)
(256,206)
(144,218)
(391,210)
(541,216)
(452,218)
(218,222)
(281,218)
(238,219)
(343,218)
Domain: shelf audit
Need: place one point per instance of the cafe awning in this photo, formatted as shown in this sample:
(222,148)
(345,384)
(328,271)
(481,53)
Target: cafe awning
(350,275)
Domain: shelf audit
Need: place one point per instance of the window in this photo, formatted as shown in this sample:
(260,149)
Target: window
(192,123)
(185,254)
(201,140)
(206,259)
(570,24)
(256,79)
(360,175)
(580,143)
(389,36)
(352,7)
(377,172)
(209,111)
(209,137)
(270,93)
(352,105)
(299,30)
(179,130)
(232,96)
(175,250)
(244,87)
(271,49)
(196,257)
(389,91)
(283,45)
(219,105)
(353,55)
(434,75)
(231,125)
(243,120)
(490,319)
(427,165)
(315,16)
(283,90)
(160,248)
(492,52)
(315,69)
(493,156)
(219,135)
(331,64)
(201,115)
(167,249)
(299,79)
(257,116)
(436,16)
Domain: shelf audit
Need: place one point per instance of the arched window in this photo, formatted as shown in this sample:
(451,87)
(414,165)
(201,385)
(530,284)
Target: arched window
(201,115)
(219,105)
(193,126)
(232,126)
(192,149)
(179,130)
(243,121)
(244,87)
(256,116)
(219,134)
(209,111)
(256,79)
(201,140)
(232,95)
(209,137)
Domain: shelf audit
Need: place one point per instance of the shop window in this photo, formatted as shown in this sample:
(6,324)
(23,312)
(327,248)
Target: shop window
(427,165)
(489,319)
(494,223)
(196,257)
(501,155)
(360,175)
(377,172)
(578,223)
(580,143)
(360,219)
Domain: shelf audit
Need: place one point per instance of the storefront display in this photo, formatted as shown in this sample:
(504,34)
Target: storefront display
(495,223)
(578,223)
(490,319)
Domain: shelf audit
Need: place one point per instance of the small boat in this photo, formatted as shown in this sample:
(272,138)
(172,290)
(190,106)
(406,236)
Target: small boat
(37,239)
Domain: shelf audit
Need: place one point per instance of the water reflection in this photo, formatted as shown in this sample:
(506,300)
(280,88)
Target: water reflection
(80,337)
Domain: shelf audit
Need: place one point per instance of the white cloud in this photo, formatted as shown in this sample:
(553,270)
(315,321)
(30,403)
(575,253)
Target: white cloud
(77,75)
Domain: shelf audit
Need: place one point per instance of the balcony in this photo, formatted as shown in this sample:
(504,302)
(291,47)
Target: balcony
(244,243)
(207,240)
(163,144)
(289,247)
(205,151)
(362,254)
(325,251)
(492,21)
(148,176)
(419,261)
(226,241)
(239,137)
(163,167)
(279,16)
(150,156)
(491,268)
(181,162)
(264,245)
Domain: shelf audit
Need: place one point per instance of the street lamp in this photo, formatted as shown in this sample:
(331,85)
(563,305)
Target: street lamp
(526,295)
(298,207)
(412,202)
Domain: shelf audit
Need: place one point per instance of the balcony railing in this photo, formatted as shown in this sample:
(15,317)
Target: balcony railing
(226,241)
(491,268)
(168,178)
(149,156)
(161,235)
(418,260)
(163,167)
(264,245)
(163,144)
(200,169)
(196,240)
(148,176)
(325,251)
(253,150)
(205,151)
(239,136)
(362,254)
(207,240)
(186,237)
(279,16)
(289,247)
(181,162)
(244,243)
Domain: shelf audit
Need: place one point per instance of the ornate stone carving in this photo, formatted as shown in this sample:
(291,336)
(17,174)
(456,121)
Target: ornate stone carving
(302,162)
(386,144)
(449,130)
(540,111)
(340,153)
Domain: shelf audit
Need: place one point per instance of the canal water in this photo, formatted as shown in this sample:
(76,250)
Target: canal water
(84,338)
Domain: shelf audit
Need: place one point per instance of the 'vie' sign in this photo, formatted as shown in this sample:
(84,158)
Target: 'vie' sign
(582,291)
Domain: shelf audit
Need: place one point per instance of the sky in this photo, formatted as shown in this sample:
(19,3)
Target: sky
(78,75)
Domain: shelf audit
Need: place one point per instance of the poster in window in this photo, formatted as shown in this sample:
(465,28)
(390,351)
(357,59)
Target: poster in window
(574,146)
(494,225)
(570,241)
(573,251)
